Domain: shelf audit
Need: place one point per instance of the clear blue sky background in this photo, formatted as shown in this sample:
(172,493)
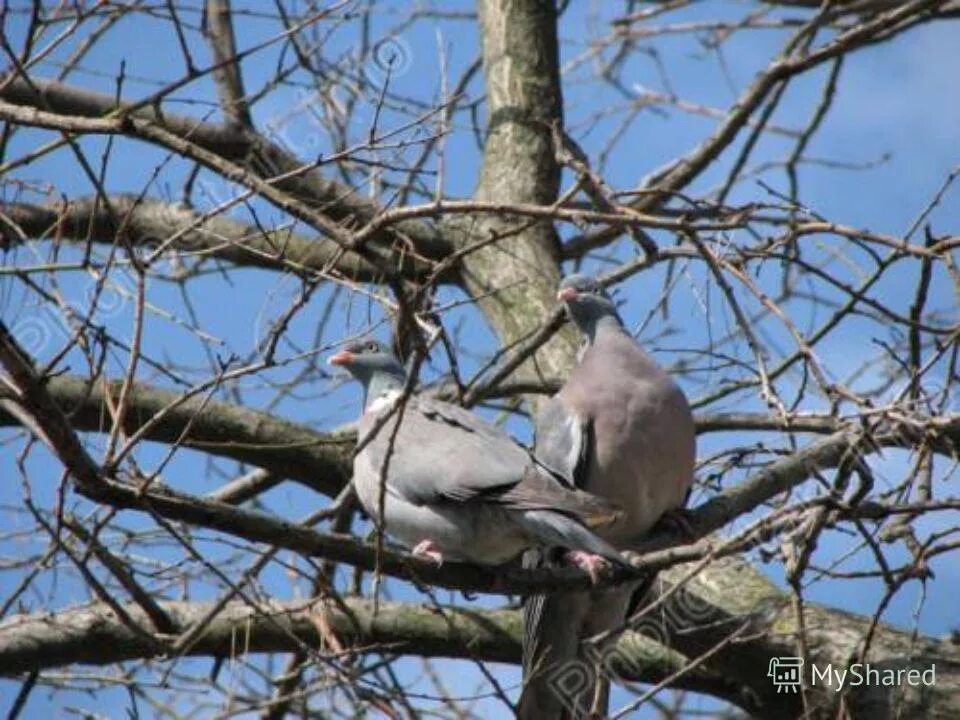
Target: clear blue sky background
(897,103)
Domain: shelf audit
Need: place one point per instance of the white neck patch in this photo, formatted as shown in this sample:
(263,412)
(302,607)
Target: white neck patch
(382,402)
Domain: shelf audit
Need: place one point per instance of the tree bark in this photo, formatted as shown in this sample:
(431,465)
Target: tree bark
(738,601)
(524,100)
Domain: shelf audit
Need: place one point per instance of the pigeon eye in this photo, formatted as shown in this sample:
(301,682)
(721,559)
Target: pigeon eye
(371,347)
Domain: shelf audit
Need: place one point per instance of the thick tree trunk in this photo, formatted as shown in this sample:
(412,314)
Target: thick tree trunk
(516,277)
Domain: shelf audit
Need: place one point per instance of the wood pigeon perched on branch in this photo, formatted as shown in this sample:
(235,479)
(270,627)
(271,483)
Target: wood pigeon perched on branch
(457,487)
(621,429)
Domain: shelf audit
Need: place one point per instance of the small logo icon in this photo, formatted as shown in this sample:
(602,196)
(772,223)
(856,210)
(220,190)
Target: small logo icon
(785,672)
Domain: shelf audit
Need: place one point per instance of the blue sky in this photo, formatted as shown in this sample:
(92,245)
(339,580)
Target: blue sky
(897,103)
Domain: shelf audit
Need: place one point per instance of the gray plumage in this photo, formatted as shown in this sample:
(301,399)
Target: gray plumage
(454,481)
(621,429)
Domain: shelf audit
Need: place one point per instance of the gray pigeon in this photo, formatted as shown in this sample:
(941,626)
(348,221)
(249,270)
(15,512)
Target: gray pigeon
(621,429)
(457,487)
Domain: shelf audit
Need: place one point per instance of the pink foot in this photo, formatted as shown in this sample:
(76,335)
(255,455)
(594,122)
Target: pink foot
(427,548)
(590,562)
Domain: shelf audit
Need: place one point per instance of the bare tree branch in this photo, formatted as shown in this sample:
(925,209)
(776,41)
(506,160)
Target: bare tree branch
(219,28)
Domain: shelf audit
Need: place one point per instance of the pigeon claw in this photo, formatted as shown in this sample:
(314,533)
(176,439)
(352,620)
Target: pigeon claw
(428,548)
(594,564)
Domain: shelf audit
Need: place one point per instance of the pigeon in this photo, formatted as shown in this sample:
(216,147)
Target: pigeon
(456,487)
(621,429)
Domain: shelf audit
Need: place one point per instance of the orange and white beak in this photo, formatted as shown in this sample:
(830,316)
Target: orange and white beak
(567,294)
(344,357)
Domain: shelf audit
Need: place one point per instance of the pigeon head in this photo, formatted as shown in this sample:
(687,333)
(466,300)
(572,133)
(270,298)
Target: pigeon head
(586,301)
(370,362)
